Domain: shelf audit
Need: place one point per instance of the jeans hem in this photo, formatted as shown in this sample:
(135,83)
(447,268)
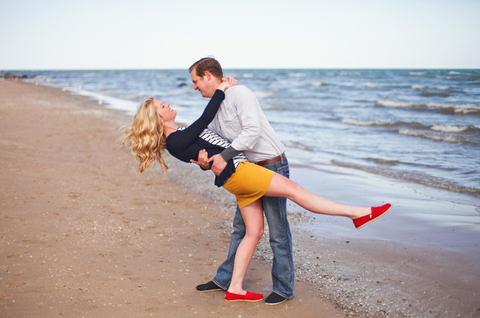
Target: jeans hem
(219,285)
(282,294)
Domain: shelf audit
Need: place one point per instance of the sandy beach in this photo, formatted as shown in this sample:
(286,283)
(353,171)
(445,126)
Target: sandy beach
(84,235)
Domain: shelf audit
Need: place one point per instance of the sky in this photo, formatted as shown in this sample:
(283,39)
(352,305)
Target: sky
(156,34)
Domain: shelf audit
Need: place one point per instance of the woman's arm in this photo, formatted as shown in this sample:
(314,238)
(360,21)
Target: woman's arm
(187,136)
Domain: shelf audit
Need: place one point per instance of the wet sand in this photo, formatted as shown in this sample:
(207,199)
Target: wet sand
(84,235)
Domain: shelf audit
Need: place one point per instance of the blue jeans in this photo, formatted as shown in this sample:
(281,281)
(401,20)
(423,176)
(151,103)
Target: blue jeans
(275,210)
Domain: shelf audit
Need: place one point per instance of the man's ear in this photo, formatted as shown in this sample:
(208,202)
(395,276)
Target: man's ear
(208,75)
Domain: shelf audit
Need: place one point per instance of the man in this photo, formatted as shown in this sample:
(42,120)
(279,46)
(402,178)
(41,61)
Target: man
(241,121)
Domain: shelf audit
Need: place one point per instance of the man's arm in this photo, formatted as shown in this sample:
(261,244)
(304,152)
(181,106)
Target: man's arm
(246,106)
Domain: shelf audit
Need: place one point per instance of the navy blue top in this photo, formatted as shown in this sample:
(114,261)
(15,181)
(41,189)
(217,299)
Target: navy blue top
(184,144)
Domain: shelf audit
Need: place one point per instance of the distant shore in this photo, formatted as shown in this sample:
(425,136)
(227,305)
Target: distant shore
(84,234)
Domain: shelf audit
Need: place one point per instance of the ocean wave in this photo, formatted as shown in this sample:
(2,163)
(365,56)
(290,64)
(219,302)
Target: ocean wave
(417,73)
(432,87)
(411,176)
(452,128)
(262,94)
(456,108)
(317,84)
(247,75)
(383,162)
(292,84)
(345,73)
(430,94)
(72,89)
(297,145)
(370,85)
(270,106)
(358,122)
(297,74)
(178,91)
(91,75)
(432,136)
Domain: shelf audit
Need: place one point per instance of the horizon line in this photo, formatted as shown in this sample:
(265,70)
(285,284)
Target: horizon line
(242,68)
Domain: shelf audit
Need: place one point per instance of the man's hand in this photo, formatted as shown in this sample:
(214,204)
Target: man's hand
(218,164)
(203,161)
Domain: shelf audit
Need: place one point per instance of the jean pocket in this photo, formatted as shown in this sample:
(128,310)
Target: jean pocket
(284,170)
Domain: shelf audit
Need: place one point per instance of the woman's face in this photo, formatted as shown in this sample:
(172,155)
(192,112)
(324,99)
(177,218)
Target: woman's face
(164,110)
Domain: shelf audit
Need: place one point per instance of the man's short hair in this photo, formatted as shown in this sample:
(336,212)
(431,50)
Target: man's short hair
(207,64)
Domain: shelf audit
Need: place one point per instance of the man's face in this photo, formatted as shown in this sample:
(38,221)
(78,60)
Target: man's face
(202,84)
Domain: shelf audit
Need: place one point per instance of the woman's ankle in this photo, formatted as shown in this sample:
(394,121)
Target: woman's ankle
(237,291)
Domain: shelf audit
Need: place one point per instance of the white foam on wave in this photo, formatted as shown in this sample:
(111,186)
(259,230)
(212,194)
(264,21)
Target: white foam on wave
(297,74)
(262,94)
(449,128)
(91,75)
(345,73)
(178,91)
(247,75)
(427,135)
(284,83)
(72,89)
(417,73)
(419,86)
(423,87)
(358,122)
(127,106)
(458,108)
(297,145)
(317,84)
(393,103)
(371,85)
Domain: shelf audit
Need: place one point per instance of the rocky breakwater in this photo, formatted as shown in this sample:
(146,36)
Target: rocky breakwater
(10,76)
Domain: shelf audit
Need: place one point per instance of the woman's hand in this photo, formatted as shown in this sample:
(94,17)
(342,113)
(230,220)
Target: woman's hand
(202,160)
(230,80)
(223,86)
(227,82)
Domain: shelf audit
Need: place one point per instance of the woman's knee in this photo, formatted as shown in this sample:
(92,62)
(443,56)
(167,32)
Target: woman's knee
(255,233)
(293,189)
(260,232)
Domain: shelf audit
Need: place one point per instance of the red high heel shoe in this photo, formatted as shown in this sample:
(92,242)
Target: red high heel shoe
(375,214)
(251,297)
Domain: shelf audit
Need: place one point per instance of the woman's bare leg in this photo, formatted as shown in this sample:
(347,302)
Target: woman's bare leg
(253,216)
(286,188)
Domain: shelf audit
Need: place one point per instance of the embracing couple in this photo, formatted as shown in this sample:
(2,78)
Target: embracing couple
(234,139)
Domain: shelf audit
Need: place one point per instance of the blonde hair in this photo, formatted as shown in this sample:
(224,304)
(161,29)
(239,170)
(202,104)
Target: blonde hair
(145,136)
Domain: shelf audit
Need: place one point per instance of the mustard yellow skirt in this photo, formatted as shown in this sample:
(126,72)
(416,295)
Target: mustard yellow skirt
(249,183)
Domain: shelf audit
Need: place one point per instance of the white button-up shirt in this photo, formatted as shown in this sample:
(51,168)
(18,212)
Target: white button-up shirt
(242,122)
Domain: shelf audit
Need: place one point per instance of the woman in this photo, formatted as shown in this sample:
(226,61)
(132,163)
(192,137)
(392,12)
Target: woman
(153,130)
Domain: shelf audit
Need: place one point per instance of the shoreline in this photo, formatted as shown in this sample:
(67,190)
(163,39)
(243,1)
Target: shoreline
(364,271)
(335,277)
